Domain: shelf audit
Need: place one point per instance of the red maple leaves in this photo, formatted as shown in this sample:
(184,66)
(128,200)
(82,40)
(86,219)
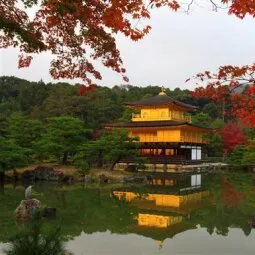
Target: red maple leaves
(83,90)
(24,61)
(76,32)
(242,7)
(232,136)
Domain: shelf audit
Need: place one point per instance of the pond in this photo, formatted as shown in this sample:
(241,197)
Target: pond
(176,214)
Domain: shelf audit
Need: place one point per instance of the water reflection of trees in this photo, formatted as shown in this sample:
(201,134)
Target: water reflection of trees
(220,222)
(232,205)
(96,210)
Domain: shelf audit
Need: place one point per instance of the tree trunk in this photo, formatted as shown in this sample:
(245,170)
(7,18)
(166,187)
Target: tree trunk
(100,160)
(114,163)
(2,176)
(1,188)
(64,159)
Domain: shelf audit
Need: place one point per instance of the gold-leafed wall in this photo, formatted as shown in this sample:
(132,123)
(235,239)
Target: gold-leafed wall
(167,135)
(156,114)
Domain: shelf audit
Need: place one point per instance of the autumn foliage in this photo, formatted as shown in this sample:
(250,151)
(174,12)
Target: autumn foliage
(229,194)
(76,32)
(232,136)
(83,90)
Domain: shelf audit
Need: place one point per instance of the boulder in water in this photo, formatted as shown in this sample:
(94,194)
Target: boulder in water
(27,209)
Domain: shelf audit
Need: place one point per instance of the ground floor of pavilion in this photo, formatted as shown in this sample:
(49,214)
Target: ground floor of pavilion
(166,156)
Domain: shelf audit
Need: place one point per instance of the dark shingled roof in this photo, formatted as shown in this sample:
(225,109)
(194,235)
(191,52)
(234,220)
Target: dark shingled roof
(146,123)
(160,100)
(162,123)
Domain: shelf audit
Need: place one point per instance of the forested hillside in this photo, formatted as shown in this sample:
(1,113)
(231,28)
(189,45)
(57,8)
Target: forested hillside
(38,100)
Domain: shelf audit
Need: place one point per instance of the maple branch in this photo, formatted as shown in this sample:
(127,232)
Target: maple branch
(189,5)
(215,6)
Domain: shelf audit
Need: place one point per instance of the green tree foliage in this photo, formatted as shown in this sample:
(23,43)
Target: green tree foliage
(236,157)
(82,167)
(212,110)
(127,115)
(214,147)
(250,132)
(24,131)
(217,124)
(62,137)
(32,95)
(181,95)
(7,107)
(201,119)
(59,101)
(99,107)
(12,155)
(249,154)
(111,147)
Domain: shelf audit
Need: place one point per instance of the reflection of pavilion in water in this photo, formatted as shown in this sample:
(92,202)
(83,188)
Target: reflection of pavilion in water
(164,207)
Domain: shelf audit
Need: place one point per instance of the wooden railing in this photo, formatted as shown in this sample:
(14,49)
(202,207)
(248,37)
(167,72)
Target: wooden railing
(192,139)
(173,115)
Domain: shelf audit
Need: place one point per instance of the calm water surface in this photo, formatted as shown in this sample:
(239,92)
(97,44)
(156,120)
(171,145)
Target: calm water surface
(175,214)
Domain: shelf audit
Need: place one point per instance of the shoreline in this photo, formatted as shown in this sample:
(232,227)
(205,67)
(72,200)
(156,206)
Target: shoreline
(65,173)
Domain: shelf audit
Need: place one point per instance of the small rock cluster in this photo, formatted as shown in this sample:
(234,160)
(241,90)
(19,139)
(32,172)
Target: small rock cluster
(138,178)
(44,173)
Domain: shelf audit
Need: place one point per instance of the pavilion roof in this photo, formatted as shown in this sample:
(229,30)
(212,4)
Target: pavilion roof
(161,123)
(160,100)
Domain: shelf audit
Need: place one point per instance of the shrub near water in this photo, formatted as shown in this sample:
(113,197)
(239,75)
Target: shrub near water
(33,241)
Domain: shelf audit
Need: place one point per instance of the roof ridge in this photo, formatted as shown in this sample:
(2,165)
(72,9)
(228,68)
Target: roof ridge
(160,100)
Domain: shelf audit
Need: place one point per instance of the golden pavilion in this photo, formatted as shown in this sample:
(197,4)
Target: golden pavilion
(165,130)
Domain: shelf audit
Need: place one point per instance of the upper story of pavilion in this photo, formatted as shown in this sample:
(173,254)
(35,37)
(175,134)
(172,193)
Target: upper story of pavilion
(161,107)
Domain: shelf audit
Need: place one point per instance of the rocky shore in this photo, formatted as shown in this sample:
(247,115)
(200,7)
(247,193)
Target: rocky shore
(59,174)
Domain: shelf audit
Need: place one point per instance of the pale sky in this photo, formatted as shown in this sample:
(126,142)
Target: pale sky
(178,47)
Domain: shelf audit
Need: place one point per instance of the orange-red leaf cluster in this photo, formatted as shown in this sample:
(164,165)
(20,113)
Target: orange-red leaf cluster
(24,61)
(76,32)
(83,90)
(232,136)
